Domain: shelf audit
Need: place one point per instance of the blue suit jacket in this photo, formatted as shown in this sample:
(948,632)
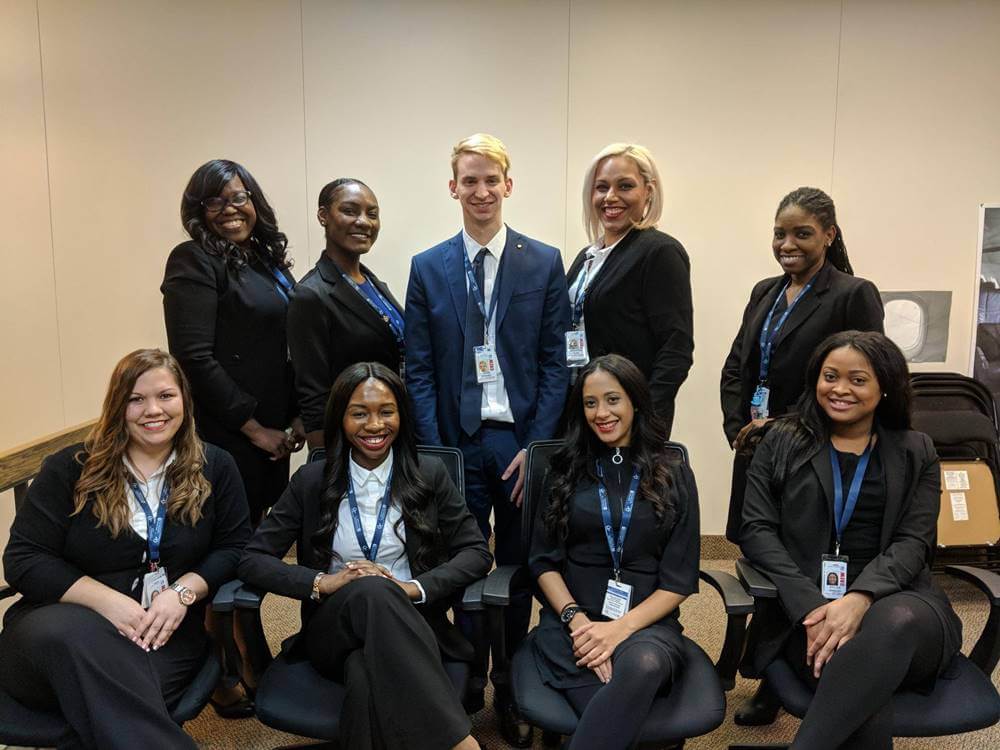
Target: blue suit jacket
(532,315)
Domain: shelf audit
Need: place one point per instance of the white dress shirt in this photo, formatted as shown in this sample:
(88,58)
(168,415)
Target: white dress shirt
(151,489)
(596,255)
(496,404)
(369,488)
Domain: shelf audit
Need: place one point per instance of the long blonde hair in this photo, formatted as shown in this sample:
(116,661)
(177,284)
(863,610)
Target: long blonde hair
(104,476)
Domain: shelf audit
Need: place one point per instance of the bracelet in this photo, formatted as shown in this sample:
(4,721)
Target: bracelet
(315,589)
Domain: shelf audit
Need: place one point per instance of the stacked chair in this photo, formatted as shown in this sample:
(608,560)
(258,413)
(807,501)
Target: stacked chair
(291,695)
(694,705)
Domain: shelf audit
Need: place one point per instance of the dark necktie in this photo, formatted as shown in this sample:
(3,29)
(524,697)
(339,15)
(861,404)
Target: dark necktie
(472,392)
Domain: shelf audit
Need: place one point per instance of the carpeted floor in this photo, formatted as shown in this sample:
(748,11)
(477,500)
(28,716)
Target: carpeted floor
(704,622)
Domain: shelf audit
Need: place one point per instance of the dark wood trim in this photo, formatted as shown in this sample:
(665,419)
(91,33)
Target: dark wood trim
(20,464)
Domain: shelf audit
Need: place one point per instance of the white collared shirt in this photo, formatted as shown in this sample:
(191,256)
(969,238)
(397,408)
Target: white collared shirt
(496,404)
(369,488)
(596,255)
(151,489)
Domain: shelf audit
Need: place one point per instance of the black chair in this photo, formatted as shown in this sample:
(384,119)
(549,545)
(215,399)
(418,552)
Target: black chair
(20,725)
(291,695)
(695,703)
(963,700)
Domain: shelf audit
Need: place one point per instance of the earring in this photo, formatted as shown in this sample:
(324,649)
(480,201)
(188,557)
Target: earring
(322,223)
(885,395)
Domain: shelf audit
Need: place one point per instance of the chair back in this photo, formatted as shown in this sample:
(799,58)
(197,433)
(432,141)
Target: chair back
(453,462)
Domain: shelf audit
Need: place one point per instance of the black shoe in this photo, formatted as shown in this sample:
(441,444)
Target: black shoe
(513,729)
(473,701)
(759,709)
(238,709)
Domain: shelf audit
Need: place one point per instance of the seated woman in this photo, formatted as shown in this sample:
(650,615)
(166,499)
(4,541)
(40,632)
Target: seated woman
(384,541)
(615,553)
(106,528)
(844,488)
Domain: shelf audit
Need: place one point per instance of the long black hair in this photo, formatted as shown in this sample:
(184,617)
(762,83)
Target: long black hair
(409,491)
(576,458)
(208,181)
(808,426)
(814,201)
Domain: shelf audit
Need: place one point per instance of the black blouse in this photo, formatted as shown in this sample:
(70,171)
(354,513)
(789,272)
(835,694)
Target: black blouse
(860,541)
(653,558)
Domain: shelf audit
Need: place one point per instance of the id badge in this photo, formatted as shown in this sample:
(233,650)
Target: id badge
(576,348)
(834,576)
(616,599)
(487,368)
(758,404)
(152,584)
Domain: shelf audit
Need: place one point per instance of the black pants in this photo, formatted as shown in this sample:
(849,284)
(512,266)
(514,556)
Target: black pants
(68,658)
(370,637)
(898,646)
(263,478)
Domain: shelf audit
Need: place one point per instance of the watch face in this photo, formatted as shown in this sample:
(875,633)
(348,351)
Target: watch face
(187,595)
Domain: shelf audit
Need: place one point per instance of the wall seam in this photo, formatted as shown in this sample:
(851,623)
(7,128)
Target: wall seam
(836,96)
(52,234)
(305,129)
(569,46)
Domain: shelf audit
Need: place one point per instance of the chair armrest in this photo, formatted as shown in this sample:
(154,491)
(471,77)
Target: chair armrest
(735,598)
(986,652)
(496,590)
(7,591)
(248,597)
(472,597)
(223,599)
(756,583)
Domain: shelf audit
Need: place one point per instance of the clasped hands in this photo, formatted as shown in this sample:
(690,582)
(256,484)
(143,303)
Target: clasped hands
(831,625)
(595,642)
(359,569)
(149,629)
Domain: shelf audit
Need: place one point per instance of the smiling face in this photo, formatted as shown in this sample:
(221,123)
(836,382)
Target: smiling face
(155,410)
(371,422)
(608,409)
(351,220)
(480,186)
(233,223)
(619,196)
(800,242)
(847,389)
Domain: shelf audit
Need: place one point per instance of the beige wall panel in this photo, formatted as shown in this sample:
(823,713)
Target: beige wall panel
(138,95)
(737,103)
(31,400)
(918,147)
(391,86)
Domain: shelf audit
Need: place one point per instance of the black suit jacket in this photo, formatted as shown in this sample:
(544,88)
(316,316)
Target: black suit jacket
(639,306)
(788,525)
(226,327)
(330,326)
(462,558)
(837,302)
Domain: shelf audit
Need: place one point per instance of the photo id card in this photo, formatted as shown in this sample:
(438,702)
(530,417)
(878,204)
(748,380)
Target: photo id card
(576,349)
(617,599)
(758,404)
(152,584)
(834,576)
(487,368)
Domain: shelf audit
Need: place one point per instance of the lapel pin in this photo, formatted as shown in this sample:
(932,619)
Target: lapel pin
(519,245)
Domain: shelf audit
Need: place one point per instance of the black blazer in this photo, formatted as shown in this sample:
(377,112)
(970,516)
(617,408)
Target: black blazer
(639,306)
(226,327)
(462,558)
(837,302)
(331,326)
(788,525)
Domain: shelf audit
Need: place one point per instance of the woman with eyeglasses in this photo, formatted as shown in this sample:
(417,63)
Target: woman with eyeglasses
(225,300)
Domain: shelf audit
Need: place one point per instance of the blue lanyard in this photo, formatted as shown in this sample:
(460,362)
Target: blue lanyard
(581,293)
(382,307)
(284,286)
(154,526)
(478,295)
(768,336)
(602,491)
(842,511)
(370,552)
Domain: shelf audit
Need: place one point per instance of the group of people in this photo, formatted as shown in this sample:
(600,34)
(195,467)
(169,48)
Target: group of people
(184,484)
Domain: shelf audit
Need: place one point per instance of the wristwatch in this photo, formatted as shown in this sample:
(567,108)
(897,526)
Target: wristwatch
(186,595)
(568,613)
(315,595)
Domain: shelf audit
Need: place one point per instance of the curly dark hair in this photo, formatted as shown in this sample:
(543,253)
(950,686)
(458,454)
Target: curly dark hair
(409,489)
(819,204)
(576,459)
(208,181)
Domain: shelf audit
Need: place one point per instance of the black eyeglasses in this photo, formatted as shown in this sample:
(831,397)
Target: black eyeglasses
(217,204)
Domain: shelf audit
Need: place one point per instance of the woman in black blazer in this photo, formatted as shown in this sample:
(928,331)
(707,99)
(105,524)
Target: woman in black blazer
(887,625)
(225,298)
(808,244)
(374,605)
(631,289)
(340,312)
